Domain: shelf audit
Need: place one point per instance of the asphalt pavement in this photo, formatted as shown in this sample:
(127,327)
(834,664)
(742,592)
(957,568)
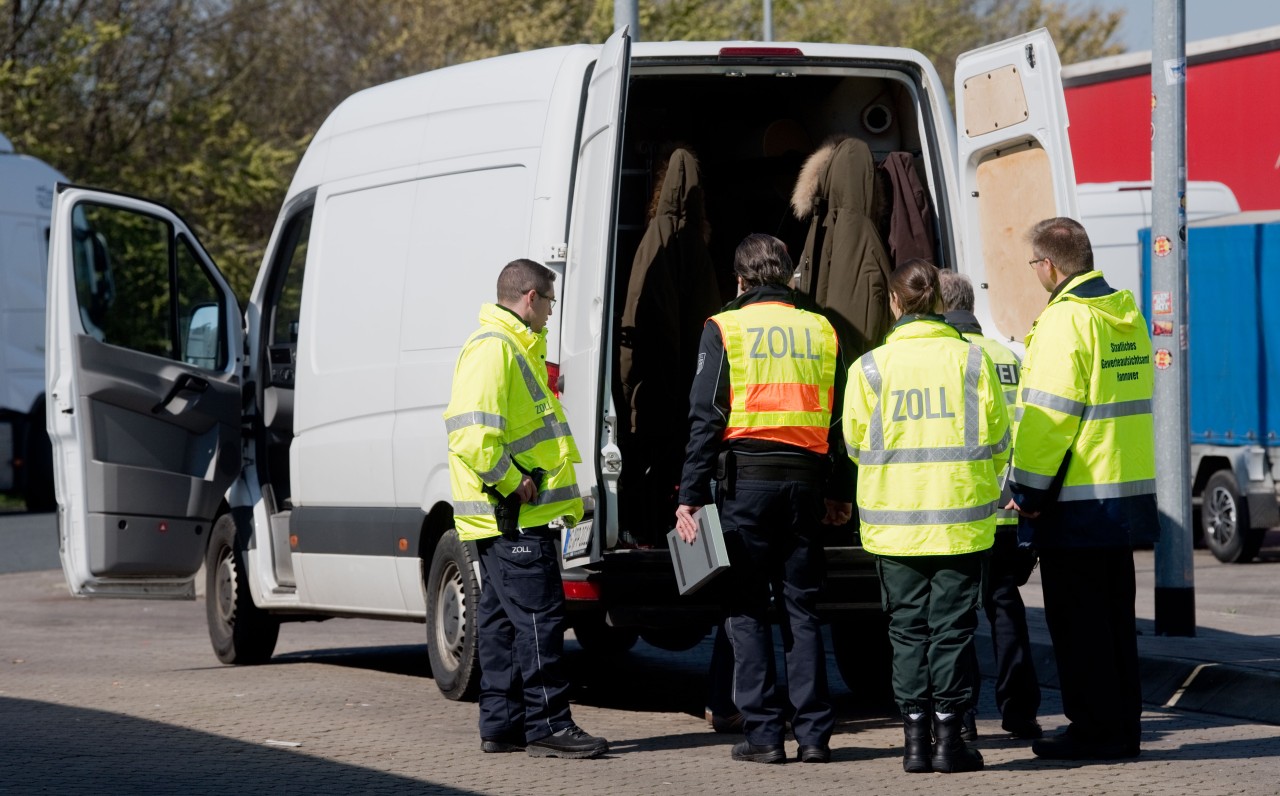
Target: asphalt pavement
(1230,667)
(125,696)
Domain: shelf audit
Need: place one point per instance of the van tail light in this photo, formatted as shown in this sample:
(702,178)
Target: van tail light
(581,590)
(553,378)
(761,53)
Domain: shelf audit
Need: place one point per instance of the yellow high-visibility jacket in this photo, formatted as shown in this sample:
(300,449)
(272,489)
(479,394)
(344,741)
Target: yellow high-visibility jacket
(504,421)
(926,423)
(1007,368)
(1086,400)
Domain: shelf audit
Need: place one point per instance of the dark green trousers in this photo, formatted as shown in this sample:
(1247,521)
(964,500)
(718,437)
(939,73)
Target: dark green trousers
(932,603)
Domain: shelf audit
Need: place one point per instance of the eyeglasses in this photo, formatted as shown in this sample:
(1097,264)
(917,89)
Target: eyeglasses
(1036,261)
(549,298)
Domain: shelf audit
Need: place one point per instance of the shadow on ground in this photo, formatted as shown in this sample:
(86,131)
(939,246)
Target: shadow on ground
(51,748)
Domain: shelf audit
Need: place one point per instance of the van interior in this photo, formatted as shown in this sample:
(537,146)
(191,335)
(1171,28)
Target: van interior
(751,131)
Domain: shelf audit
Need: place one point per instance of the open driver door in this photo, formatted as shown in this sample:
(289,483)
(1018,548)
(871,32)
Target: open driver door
(144,351)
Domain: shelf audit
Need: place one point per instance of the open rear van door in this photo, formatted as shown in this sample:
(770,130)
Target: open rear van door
(1015,170)
(145,346)
(589,271)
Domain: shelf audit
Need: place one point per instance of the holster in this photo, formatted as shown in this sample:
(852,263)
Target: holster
(726,472)
(506,510)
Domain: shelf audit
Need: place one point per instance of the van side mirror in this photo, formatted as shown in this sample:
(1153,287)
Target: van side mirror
(202,337)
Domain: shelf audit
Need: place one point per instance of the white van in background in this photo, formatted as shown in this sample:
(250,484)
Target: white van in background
(26,198)
(297,447)
(1113,213)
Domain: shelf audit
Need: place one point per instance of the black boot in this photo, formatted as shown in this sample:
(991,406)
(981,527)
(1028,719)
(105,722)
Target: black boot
(950,753)
(918,746)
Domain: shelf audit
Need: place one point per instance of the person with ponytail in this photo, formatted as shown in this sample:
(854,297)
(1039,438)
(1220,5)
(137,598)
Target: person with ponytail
(925,421)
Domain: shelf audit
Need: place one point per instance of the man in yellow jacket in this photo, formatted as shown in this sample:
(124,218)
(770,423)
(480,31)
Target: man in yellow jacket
(1083,477)
(511,459)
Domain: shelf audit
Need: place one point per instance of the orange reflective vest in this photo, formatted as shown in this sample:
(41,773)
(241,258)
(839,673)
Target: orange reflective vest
(782,371)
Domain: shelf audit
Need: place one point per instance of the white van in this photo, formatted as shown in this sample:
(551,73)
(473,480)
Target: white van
(1114,213)
(301,455)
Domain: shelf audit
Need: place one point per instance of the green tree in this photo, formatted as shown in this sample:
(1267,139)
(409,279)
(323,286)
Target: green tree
(209,104)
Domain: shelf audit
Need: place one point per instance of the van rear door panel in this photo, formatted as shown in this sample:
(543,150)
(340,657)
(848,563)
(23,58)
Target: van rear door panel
(143,378)
(588,270)
(1015,169)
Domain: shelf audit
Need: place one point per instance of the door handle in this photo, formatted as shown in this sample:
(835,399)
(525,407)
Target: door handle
(185,383)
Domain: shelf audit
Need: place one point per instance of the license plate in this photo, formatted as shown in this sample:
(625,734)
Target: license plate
(577,542)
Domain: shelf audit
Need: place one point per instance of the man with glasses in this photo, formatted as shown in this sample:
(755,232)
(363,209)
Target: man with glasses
(511,459)
(1083,479)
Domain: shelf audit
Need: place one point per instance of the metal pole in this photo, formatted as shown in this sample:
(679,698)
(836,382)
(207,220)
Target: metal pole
(768,20)
(627,13)
(1175,600)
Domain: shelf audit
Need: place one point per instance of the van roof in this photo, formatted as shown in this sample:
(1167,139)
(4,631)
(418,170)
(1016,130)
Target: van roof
(659,49)
(1145,185)
(392,117)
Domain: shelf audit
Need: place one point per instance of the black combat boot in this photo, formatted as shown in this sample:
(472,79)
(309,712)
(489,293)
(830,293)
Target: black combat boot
(919,744)
(950,753)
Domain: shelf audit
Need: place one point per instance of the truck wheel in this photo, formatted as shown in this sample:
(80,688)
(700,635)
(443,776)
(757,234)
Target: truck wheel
(864,658)
(241,632)
(37,486)
(599,638)
(453,592)
(1225,516)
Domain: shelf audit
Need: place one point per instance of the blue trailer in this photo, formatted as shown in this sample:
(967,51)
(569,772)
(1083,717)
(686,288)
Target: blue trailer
(1233,337)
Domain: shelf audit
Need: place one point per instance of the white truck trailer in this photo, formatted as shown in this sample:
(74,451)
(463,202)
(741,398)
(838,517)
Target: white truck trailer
(26,199)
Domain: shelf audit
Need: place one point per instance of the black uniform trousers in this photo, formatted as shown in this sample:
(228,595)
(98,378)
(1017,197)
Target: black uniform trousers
(521,623)
(1088,606)
(772,532)
(932,602)
(1017,688)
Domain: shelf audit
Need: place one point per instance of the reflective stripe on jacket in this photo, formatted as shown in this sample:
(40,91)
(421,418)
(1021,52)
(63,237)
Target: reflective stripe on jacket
(504,421)
(1086,397)
(782,366)
(1007,367)
(927,425)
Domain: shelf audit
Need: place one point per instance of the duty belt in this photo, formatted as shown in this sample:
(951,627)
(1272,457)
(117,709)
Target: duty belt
(732,466)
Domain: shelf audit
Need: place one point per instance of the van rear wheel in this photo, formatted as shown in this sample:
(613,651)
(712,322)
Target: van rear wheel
(241,632)
(864,657)
(1224,516)
(37,482)
(453,594)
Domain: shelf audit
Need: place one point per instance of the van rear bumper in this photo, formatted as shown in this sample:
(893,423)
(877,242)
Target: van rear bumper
(637,589)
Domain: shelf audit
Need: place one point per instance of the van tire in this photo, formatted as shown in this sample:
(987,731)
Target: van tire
(864,657)
(37,476)
(1224,516)
(453,595)
(241,632)
(675,639)
(597,637)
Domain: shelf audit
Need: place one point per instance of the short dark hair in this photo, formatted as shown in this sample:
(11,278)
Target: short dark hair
(762,260)
(915,283)
(957,290)
(1065,242)
(521,276)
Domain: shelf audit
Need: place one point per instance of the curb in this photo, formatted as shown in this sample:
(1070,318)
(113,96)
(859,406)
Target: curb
(1175,683)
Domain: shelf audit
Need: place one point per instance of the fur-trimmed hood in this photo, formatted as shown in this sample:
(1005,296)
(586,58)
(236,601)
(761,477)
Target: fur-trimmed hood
(842,171)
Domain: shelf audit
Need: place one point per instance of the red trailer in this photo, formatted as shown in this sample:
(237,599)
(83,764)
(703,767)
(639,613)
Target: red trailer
(1233,116)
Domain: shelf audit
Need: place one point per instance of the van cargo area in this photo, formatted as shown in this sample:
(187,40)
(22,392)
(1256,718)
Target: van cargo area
(750,132)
